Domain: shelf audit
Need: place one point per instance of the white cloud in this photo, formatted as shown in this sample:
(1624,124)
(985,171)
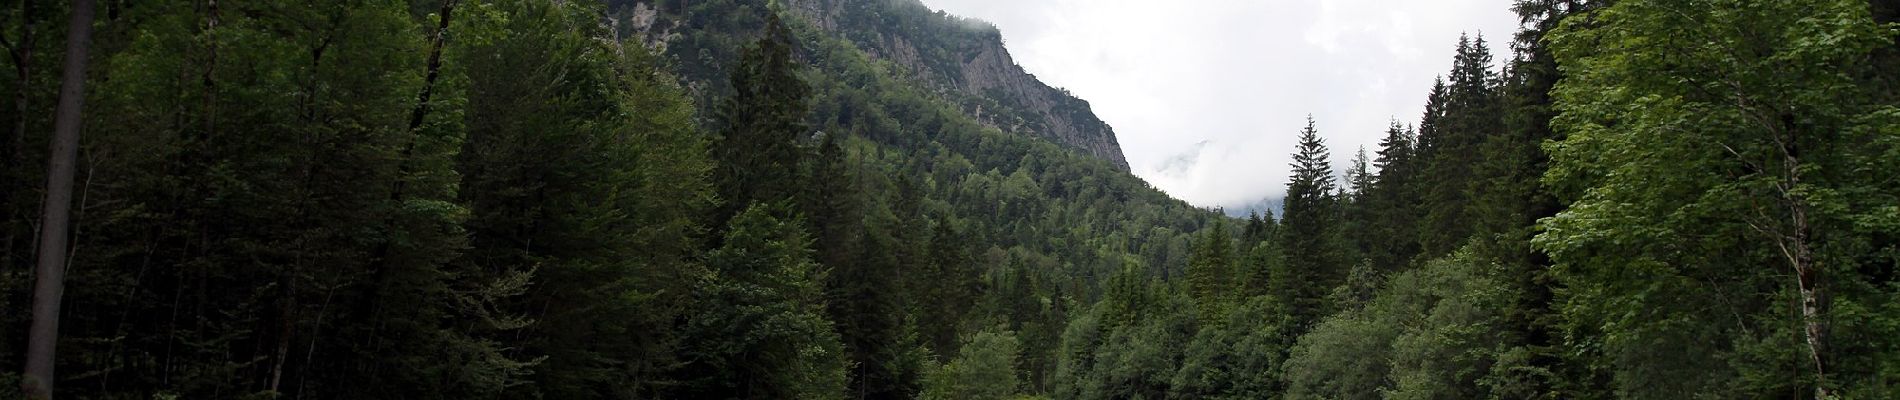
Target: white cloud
(1239,75)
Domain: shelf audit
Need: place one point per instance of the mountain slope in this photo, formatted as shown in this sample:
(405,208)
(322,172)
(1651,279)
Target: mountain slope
(905,77)
(966,58)
(961,62)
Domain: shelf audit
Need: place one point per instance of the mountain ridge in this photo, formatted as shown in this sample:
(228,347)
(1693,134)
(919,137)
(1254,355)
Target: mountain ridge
(994,90)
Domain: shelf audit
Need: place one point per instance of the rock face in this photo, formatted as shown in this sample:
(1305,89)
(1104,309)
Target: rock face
(965,59)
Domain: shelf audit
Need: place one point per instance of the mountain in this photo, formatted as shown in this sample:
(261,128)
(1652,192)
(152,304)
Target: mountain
(961,61)
(782,199)
(558,199)
(969,63)
(940,97)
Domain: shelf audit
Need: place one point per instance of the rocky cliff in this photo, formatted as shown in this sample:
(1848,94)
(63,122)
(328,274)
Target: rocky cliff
(965,59)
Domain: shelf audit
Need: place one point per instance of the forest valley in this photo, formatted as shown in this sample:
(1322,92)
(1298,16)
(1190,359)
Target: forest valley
(752,199)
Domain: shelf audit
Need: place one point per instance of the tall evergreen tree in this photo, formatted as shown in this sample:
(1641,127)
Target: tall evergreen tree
(863,294)
(1394,201)
(1469,116)
(950,284)
(583,169)
(1355,210)
(1210,274)
(1257,228)
(761,124)
(1311,268)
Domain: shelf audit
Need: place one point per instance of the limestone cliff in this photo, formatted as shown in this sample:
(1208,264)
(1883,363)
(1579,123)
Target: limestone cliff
(965,59)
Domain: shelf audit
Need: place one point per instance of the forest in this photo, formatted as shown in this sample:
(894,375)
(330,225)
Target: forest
(758,199)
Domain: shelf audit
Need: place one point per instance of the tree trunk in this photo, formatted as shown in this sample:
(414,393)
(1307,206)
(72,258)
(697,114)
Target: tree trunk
(1808,278)
(1813,297)
(417,115)
(421,111)
(435,69)
(57,211)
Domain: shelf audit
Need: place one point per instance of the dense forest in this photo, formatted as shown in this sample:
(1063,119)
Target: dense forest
(824,199)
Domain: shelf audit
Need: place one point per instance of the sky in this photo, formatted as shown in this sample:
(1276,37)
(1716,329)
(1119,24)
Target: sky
(1208,96)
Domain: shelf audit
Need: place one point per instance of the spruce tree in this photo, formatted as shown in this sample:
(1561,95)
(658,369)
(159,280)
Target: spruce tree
(584,171)
(1393,201)
(1210,273)
(1355,210)
(1470,116)
(1309,223)
(761,124)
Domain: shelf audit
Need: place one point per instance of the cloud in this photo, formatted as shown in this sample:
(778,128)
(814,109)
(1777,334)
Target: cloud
(1207,96)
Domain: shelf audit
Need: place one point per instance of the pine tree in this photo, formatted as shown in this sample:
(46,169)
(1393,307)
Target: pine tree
(1393,201)
(863,294)
(1355,210)
(1359,176)
(1308,226)
(1508,199)
(1470,116)
(949,285)
(1257,228)
(1210,273)
(583,169)
(761,124)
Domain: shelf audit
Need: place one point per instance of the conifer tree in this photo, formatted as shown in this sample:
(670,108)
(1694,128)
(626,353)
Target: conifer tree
(1393,201)
(1355,210)
(1470,116)
(1257,229)
(1307,231)
(761,125)
(1211,273)
(949,285)
(583,169)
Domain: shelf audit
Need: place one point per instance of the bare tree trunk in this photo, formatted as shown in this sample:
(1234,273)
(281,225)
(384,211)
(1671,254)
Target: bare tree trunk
(1813,302)
(49,284)
(1791,235)
(1808,275)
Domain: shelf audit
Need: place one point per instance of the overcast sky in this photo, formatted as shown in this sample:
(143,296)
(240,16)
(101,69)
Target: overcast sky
(1207,96)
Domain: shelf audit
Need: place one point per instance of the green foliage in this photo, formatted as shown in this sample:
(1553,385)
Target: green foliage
(584,167)
(1427,333)
(1136,357)
(757,329)
(1237,359)
(245,215)
(1711,148)
(1309,233)
(1461,116)
(1211,274)
(1392,205)
(761,124)
(297,200)
(985,369)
